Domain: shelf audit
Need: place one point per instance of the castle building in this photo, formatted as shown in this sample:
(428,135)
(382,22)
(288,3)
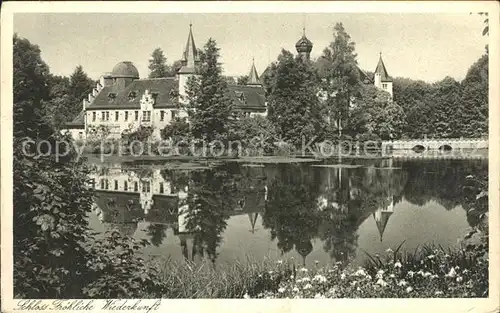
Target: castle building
(123,101)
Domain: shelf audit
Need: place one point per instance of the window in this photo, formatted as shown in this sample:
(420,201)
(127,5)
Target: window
(146,116)
(136,186)
(174,113)
(80,135)
(126,116)
(162,115)
(154,95)
(107,116)
(132,95)
(161,188)
(93,116)
(116,116)
(384,86)
(103,116)
(125,185)
(116,184)
(104,183)
(136,115)
(146,186)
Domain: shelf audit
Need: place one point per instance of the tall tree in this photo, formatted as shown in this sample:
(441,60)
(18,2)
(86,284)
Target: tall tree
(158,67)
(447,99)
(80,84)
(416,99)
(374,113)
(30,88)
(294,108)
(209,107)
(473,111)
(341,79)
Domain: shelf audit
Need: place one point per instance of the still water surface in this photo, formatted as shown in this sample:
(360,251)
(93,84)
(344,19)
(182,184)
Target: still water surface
(311,212)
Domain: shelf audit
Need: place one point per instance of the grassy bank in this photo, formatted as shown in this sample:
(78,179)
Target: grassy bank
(428,272)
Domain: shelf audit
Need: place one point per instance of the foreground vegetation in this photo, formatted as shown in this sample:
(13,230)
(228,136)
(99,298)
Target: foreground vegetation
(429,272)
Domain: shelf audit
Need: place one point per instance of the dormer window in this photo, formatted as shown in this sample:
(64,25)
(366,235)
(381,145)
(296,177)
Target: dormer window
(111,96)
(132,95)
(240,96)
(154,96)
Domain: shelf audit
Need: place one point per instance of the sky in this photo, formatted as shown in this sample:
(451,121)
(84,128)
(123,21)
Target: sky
(425,46)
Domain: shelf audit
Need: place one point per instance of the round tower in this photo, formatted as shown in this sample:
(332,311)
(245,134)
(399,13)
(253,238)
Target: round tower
(124,73)
(304,46)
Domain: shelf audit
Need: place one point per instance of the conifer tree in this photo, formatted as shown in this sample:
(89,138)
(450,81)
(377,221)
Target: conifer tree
(158,67)
(209,107)
(341,79)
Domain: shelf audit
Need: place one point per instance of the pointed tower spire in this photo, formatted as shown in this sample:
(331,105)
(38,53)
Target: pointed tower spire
(382,71)
(253,219)
(190,54)
(253,77)
(381,218)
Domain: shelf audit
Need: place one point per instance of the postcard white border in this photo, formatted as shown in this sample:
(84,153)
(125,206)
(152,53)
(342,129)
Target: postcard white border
(490,304)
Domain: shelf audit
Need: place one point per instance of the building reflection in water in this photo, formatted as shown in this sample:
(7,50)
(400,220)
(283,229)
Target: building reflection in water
(297,205)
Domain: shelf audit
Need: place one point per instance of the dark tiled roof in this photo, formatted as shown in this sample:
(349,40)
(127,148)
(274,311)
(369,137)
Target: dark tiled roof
(78,121)
(162,86)
(119,207)
(382,71)
(247,97)
(364,77)
(164,209)
(253,77)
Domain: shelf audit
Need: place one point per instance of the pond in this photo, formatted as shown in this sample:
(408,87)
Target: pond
(311,212)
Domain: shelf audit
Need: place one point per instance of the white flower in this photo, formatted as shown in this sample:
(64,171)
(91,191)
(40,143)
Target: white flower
(304,279)
(342,276)
(331,290)
(427,274)
(281,290)
(381,282)
(316,262)
(431,256)
(389,250)
(295,289)
(465,271)
(318,296)
(410,273)
(459,279)
(320,278)
(437,293)
(303,269)
(279,261)
(308,286)
(421,272)
(451,273)
(246,296)
(380,273)
(270,272)
(360,272)
(392,276)
(353,283)
(402,283)
(409,289)
(397,264)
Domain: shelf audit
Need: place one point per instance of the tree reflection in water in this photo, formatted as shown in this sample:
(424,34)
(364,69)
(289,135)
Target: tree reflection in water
(298,204)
